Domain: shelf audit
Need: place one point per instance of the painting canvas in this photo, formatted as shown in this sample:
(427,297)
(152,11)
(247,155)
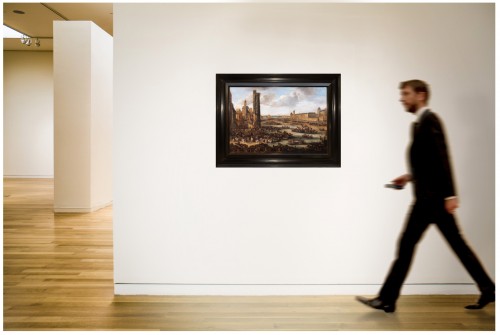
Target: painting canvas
(285,120)
(278,120)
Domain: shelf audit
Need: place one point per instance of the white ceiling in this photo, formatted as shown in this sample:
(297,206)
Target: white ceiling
(38,18)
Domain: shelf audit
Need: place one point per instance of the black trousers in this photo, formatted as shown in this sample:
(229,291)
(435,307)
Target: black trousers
(421,216)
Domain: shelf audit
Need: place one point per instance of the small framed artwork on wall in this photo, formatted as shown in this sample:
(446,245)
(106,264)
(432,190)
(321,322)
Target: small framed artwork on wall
(278,120)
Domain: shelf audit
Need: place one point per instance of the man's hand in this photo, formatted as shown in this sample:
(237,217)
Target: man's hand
(451,205)
(402,180)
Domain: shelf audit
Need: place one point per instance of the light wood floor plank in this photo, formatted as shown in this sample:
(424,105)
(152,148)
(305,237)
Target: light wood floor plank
(58,275)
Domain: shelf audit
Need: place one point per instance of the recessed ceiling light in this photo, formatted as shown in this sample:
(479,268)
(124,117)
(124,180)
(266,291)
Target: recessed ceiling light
(18,11)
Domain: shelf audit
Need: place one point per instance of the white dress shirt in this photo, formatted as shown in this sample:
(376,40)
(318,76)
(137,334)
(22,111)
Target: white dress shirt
(418,114)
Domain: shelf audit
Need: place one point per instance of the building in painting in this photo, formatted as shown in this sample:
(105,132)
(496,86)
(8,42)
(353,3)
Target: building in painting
(318,116)
(322,115)
(245,117)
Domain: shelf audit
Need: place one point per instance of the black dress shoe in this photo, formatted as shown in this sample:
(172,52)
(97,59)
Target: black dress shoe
(484,300)
(377,303)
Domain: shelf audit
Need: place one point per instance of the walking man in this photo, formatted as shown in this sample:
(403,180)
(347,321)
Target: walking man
(435,202)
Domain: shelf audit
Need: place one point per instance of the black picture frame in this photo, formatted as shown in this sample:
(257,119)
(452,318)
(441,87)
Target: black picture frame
(330,157)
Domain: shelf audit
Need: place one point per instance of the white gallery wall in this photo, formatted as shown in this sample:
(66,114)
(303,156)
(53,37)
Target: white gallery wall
(83,116)
(28,114)
(183,226)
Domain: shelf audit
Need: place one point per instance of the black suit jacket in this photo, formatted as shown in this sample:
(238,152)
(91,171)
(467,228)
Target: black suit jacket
(429,160)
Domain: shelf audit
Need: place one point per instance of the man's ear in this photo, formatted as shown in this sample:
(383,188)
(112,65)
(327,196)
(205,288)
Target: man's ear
(421,96)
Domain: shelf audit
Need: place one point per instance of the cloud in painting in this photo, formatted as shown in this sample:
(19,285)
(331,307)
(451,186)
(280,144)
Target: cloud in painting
(289,100)
(282,100)
(267,98)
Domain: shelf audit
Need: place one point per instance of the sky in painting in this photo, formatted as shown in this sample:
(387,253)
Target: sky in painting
(281,100)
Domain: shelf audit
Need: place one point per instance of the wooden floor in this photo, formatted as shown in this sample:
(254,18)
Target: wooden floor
(58,275)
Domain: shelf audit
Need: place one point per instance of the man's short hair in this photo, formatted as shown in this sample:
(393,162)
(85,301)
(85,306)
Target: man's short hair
(418,86)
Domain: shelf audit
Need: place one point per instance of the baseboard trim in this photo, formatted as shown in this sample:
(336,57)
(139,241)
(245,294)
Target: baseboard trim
(256,290)
(81,210)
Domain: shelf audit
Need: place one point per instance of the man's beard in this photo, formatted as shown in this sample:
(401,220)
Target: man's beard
(412,109)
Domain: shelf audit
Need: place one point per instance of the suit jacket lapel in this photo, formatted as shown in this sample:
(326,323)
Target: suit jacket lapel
(416,125)
(424,115)
(414,130)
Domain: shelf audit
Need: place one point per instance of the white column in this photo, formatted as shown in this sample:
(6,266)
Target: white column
(83,94)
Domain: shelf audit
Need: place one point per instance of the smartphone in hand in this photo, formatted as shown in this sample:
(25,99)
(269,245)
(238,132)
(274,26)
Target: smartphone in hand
(394,186)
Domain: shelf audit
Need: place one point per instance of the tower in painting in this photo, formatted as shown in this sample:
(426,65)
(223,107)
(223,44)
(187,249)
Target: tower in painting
(232,111)
(246,111)
(245,117)
(256,108)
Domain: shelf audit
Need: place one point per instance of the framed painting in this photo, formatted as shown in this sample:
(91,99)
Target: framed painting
(278,120)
